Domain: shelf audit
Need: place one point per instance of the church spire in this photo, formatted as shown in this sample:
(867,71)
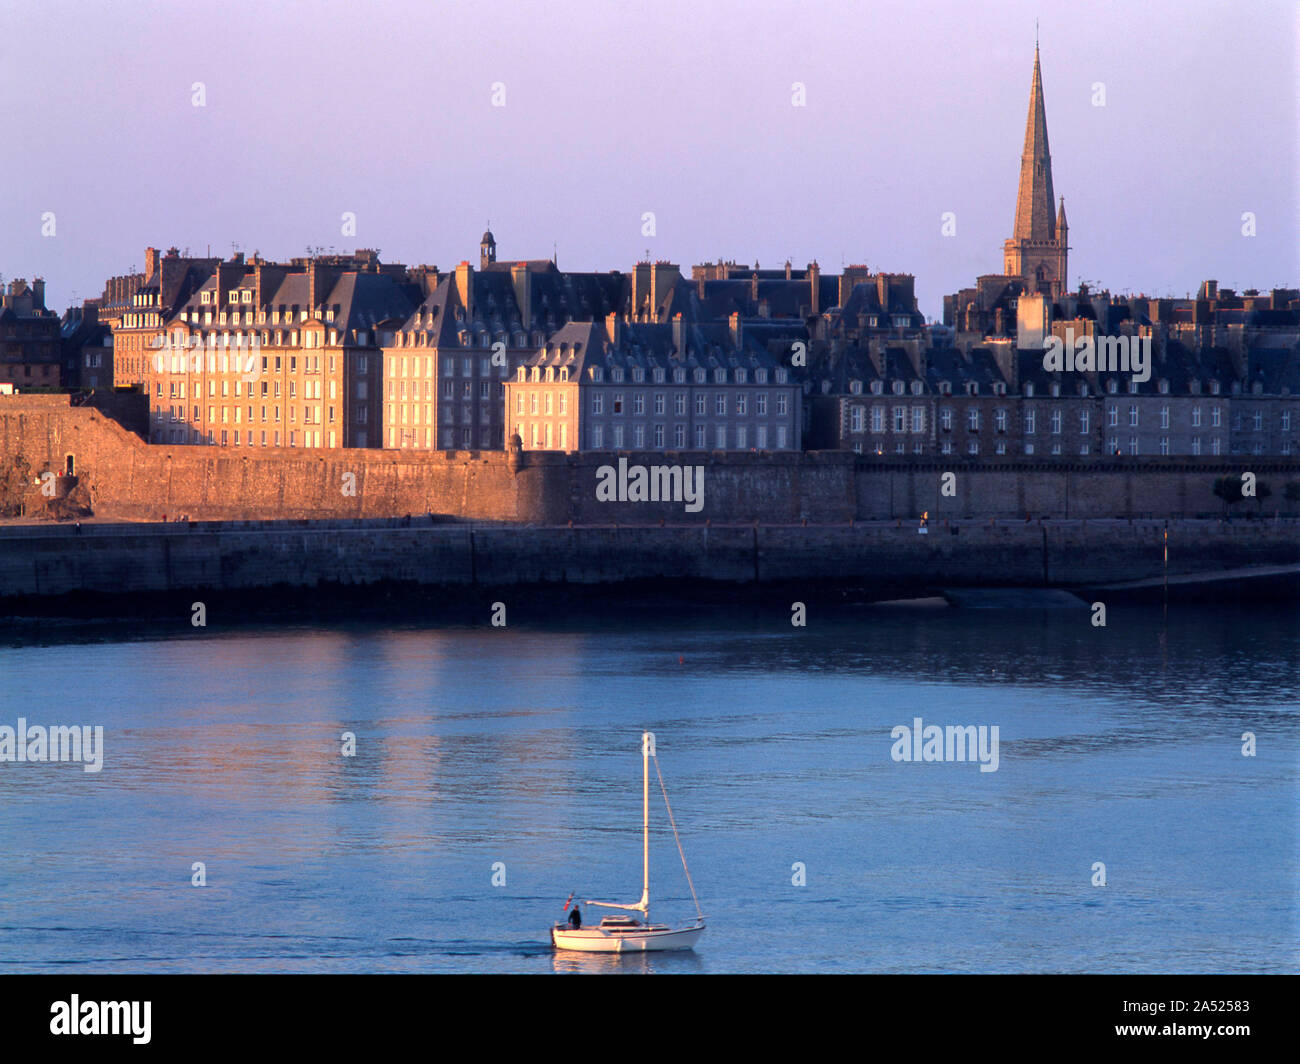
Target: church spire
(1034,219)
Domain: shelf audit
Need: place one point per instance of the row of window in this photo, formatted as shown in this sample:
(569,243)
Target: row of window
(724,437)
(310,415)
(740,375)
(900,420)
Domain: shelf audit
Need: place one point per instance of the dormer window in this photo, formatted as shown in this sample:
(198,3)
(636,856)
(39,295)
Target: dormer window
(679,375)
(1056,389)
(700,376)
(760,376)
(1029,389)
(564,373)
(537,373)
(659,374)
(597,374)
(916,387)
(205,297)
(522,374)
(1195,387)
(1164,387)
(876,387)
(550,374)
(638,375)
(1083,388)
(781,375)
(1112,386)
(233,296)
(719,376)
(1214,387)
(855,387)
(741,376)
(616,374)
(1132,387)
(898,387)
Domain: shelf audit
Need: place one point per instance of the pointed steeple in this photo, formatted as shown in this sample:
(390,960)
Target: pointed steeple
(1061,224)
(1034,219)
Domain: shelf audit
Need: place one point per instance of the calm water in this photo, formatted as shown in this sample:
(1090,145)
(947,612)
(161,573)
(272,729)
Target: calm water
(475,746)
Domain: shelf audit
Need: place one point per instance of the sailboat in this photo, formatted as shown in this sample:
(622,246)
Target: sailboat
(627,934)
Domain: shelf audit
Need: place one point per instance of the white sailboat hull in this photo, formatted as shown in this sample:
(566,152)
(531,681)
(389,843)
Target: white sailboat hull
(625,940)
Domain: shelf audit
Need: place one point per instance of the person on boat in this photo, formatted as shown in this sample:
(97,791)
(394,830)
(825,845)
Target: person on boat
(575,919)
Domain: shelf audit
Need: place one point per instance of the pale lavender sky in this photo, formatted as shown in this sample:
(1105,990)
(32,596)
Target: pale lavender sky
(684,109)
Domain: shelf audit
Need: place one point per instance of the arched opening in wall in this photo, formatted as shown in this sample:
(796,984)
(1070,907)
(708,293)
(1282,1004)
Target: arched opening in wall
(70,467)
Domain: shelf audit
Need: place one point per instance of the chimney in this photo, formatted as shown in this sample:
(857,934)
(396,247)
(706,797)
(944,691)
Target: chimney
(788,271)
(814,285)
(150,262)
(522,281)
(737,332)
(311,286)
(38,293)
(613,329)
(753,287)
(663,276)
(640,289)
(465,289)
(679,335)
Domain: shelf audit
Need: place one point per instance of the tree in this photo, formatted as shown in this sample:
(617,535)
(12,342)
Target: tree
(1228,488)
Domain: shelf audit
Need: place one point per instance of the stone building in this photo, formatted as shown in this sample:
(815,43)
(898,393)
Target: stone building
(30,346)
(278,355)
(616,385)
(445,368)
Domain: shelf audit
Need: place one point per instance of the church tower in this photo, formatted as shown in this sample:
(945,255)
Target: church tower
(1037,250)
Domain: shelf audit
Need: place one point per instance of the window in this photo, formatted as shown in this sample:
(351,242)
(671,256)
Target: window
(1056,422)
(780,404)
(720,404)
(699,437)
(1164,417)
(973,423)
(918,419)
(945,419)
(1031,420)
(877,419)
(1112,416)
(1132,416)
(900,418)
(1083,421)
(597,403)
(638,403)
(659,435)
(679,404)
(659,399)
(679,435)
(741,403)
(721,436)
(761,402)
(855,419)
(1000,419)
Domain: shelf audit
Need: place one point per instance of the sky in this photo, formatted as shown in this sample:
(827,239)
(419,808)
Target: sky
(566,122)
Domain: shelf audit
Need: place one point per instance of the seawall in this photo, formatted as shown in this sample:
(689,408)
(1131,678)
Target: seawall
(876,560)
(123,478)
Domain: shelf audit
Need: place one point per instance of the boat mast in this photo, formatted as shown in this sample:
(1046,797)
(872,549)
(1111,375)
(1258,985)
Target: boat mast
(647,748)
